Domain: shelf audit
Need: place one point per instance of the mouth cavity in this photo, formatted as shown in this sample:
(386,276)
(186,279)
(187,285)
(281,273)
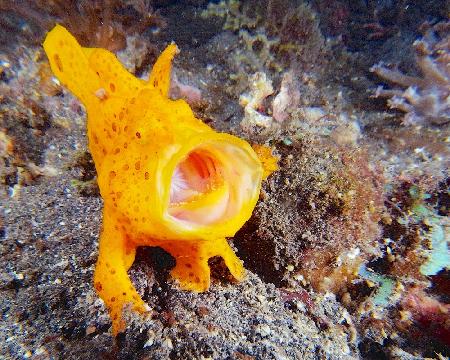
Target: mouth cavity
(211,184)
(195,175)
(198,193)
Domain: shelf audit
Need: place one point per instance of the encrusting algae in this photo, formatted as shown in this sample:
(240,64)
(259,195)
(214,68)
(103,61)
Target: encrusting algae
(166,178)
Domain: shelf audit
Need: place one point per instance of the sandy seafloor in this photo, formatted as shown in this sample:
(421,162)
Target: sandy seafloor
(347,250)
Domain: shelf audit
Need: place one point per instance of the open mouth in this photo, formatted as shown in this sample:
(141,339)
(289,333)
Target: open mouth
(211,184)
(195,175)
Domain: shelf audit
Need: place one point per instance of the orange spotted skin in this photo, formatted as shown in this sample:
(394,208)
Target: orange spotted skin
(268,161)
(166,178)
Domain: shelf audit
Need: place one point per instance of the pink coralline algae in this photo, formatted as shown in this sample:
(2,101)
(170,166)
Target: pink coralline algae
(426,99)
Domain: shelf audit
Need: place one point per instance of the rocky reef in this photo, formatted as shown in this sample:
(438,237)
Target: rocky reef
(347,250)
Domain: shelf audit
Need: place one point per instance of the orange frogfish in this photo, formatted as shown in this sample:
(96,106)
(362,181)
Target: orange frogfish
(166,178)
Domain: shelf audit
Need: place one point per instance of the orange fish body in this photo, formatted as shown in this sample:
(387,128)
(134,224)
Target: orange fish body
(166,178)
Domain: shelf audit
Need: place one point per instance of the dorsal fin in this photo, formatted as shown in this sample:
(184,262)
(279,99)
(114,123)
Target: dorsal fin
(70,64)
(160,75)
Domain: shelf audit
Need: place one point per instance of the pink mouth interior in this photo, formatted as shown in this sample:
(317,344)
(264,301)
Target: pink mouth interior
(192,192)
(192,177)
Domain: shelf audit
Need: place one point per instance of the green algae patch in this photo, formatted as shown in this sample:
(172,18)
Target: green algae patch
(386,286)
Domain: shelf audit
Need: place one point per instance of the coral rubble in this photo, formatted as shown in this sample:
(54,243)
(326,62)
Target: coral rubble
(427,98)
